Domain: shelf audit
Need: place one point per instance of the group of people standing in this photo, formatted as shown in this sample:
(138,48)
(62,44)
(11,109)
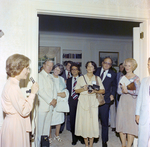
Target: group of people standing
(85,111)
(83,120)
(71,88)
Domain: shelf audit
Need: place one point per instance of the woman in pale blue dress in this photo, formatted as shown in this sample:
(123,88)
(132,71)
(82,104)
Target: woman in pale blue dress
(62,95)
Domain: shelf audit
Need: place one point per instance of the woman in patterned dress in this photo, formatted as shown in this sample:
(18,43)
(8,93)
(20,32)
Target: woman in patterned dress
(125,121)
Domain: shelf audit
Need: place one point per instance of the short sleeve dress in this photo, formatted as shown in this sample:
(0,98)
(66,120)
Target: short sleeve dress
(125,120)
(86,124)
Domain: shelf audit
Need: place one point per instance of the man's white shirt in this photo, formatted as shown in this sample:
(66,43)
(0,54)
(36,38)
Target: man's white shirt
(105,74)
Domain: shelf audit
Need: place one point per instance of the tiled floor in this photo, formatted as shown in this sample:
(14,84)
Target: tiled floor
(114,141)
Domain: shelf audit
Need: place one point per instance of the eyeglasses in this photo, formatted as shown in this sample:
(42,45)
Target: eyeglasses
(74,69)
(107,63)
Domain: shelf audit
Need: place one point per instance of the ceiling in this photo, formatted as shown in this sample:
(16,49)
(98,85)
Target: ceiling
(86,26)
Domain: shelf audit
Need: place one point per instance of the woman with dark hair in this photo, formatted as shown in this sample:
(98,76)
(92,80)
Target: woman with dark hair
(62,95)
(77,66)
(87,109)
(16,126)
(121,72)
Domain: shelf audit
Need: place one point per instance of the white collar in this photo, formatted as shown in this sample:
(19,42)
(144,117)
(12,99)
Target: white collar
(105,70)
(45,73)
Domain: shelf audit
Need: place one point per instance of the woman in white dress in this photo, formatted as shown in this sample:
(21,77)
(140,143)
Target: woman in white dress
(87,109)
(62,95)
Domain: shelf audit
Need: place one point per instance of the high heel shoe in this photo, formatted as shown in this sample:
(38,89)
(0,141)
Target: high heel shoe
(57,138)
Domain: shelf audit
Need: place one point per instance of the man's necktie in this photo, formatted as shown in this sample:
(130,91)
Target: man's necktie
(68,75)
(102,75)
(74,95)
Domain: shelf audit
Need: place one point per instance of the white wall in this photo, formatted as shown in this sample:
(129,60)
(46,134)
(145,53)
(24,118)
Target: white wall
(89,44)
(19,22)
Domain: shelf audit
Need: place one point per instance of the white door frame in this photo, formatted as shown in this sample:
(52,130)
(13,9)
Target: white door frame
(35,24)
(145,21)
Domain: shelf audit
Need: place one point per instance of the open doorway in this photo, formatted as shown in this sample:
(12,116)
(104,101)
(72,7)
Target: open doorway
(88,37)
(89,43)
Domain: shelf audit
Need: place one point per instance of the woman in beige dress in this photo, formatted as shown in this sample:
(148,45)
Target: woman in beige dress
(16,125)
(87,110)
(125,121)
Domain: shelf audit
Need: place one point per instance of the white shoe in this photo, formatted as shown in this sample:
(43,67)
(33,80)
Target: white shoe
(57,138)
(50,140)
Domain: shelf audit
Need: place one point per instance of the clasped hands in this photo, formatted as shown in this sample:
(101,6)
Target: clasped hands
(53,102)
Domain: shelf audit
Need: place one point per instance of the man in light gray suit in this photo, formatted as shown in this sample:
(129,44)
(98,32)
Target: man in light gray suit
(47,100)
(143,111)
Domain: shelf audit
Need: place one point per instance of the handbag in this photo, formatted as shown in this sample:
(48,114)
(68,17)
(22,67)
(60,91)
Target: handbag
(131,86)
(44,141)
(62,106)
(100,97)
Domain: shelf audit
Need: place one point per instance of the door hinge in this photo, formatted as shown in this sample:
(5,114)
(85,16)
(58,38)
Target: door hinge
(141,35)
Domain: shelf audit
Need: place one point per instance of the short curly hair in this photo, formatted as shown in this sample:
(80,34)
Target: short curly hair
(132,61)
(61,67)
(93,63)
(15,64)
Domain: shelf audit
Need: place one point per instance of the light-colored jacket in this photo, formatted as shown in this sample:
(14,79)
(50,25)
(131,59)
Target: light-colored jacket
(47,92)
(62,88)
(143,110)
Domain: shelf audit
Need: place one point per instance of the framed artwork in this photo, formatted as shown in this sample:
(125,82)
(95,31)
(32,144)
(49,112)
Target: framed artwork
(113,55)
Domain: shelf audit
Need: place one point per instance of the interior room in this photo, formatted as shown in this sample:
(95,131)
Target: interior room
(61,37)
(80,30)
(86,36)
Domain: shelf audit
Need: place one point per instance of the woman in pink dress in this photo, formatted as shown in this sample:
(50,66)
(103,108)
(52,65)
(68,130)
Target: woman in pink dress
(16,126)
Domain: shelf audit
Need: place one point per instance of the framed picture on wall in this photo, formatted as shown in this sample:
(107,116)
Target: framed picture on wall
(113,55)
